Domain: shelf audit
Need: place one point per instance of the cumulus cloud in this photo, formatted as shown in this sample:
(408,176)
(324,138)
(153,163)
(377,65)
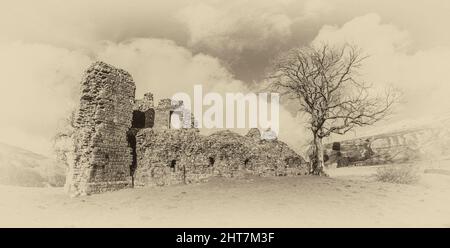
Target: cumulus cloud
(316,8)
(248,34)
(81,23)
(422,74)
(40,83)
(169,46)
(164,68)
(369,33)
(38,86)
(236,25)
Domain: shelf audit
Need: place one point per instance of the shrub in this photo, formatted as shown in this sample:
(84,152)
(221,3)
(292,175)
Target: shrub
(21,177)
(336,146)
(401,173)
(56,180)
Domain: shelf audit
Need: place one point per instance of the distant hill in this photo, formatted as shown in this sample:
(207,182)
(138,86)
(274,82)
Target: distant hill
(21,167)
(402,142)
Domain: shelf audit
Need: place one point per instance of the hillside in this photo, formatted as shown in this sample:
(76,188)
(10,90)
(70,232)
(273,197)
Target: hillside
(404,141)
(21,167)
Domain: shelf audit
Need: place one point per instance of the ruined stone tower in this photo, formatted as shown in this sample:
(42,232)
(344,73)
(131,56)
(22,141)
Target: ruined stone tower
(120,141)
(102,154)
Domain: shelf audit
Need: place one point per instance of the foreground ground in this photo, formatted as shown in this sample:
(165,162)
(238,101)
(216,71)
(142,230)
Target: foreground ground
(350,198)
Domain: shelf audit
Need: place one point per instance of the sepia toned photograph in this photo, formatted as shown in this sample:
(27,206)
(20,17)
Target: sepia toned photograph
(224,114)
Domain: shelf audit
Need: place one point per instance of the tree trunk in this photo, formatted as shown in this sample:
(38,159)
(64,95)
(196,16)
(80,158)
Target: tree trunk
(318,165)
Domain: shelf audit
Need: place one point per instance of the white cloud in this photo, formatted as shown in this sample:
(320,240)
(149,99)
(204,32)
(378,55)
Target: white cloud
(40,75)
(236,25)
(38,85)
(163,68)
(422,75)
(369,33)
(316,8)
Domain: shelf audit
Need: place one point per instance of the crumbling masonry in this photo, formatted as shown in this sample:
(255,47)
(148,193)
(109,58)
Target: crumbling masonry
(123,142)
(405,146)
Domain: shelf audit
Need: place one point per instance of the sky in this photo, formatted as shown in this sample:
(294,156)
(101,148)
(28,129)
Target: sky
(169,46)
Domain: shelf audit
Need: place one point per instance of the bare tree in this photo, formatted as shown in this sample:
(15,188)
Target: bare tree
(324,81)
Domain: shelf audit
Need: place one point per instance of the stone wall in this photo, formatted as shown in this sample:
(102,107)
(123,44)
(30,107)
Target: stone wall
(121,141)
(391,147)
(102,153)
(167,157)
(162,114)
(145,103)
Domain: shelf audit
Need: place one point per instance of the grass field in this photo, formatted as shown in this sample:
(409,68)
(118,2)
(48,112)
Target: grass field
(349,198)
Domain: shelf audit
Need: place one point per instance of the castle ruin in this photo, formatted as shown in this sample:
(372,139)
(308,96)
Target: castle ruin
(121,142)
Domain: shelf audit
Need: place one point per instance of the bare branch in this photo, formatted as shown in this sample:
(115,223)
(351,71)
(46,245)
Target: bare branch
(324,81)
